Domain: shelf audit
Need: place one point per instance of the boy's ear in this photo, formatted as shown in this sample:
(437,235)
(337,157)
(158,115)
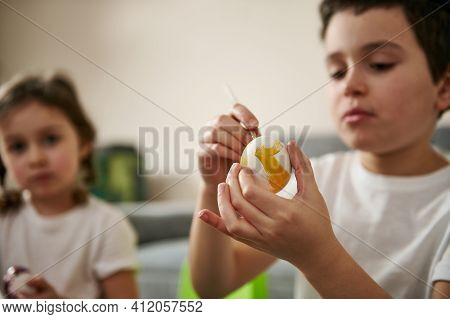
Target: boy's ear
(443,98)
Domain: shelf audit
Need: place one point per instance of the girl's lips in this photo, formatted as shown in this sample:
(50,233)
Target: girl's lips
(41,178)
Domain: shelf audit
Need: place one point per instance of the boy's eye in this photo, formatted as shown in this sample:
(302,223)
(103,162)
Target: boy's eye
(338,74)
(17,147)
(381,66)
(51,139)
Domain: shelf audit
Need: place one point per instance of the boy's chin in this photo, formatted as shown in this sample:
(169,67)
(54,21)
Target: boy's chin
(364,144)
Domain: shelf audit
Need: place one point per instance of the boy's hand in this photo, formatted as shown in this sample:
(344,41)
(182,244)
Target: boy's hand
(297,230)
(223,143)
(43,290)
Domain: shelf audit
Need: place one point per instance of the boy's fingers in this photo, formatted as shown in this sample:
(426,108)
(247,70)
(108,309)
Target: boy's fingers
(221,136)
(237,226)
(214,220)
(232,125)
(263,199)
(243,206)
(244,115)
(302,167)
(216,150)
(226,209)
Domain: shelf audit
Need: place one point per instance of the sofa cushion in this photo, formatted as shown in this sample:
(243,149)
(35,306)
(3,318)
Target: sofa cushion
(160,264)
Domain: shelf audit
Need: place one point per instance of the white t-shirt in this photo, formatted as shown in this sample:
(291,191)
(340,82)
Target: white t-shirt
(101,239)
(396,228)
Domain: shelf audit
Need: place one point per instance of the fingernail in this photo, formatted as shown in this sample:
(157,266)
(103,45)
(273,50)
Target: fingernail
(203,216)
(247,171)
(220,188)
(252,123)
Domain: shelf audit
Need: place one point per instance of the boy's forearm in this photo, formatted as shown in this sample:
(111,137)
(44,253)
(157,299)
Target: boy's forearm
(337,275)
(210,252)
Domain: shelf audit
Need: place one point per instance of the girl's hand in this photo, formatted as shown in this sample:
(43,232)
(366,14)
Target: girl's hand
(297,230)
(43,290)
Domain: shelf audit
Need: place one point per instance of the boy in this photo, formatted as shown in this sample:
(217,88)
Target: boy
(381,228)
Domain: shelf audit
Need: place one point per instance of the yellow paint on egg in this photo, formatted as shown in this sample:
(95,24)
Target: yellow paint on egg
(268,154)
(277,175)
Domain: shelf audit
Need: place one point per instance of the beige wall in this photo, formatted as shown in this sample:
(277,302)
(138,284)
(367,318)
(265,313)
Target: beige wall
(178,53)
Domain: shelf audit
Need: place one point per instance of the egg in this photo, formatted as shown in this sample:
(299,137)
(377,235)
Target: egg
(15,281)
(268,157)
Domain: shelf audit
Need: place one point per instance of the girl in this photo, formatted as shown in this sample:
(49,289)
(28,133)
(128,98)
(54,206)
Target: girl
(79,246)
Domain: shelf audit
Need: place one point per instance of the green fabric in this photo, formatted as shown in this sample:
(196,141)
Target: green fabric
(255,289)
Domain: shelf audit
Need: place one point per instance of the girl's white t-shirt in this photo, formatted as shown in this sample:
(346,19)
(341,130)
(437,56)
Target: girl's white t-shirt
(396,228)
(73,250)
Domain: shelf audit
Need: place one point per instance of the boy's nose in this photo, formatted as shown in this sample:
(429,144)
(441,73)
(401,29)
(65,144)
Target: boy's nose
(354,83)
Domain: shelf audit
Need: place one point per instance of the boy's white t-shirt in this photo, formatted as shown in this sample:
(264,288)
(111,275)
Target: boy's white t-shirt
(75,250)
(396,228)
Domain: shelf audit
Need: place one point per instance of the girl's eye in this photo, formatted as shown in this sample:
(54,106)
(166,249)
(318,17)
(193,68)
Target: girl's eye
(51,139)
(338,74)
(380,67)
(17,147)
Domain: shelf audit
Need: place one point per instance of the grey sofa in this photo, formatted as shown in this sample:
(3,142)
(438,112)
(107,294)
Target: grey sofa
(163,230)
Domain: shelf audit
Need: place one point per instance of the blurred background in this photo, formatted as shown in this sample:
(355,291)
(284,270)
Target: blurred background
(126,56)
(159,65)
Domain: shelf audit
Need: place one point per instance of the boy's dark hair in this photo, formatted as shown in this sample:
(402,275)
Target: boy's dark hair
(55,91)
(432,31)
